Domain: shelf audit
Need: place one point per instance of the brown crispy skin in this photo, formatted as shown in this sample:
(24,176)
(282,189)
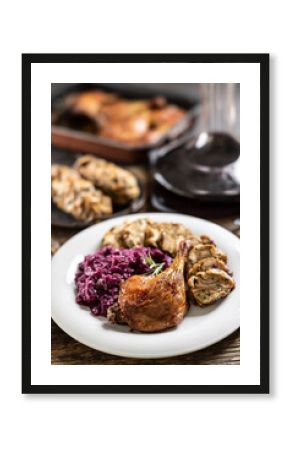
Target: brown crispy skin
(133,122)
(89,103)
(155,303)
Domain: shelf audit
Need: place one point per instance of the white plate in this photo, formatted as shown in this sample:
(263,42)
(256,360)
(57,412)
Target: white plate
(200,328)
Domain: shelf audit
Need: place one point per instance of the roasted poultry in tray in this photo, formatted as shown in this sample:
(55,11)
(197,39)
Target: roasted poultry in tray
(127,121)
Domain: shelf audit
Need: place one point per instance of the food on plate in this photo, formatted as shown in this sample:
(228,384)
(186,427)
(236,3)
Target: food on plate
(99,276)
(155,302)
(76,196)
(165,236)
(207,263)
(128,121)
(120,184)
(146,273)
(210,285)
(202,256)
(205,250)
(208,276)
(127,234)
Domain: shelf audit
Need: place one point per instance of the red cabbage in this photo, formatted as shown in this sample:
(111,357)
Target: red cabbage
(99,276)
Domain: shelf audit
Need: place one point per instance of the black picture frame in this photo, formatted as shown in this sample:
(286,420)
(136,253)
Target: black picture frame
(263,60)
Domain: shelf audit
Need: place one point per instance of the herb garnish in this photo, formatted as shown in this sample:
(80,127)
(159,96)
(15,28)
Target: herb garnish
(155,268)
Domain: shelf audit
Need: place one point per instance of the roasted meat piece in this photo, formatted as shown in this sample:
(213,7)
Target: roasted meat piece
(125,121)
(161,120)
(209,286)
(89,103)
(132,130)
(138,121)
(132,122)
(76,196)
(154,303)
(120,184)
(122,109)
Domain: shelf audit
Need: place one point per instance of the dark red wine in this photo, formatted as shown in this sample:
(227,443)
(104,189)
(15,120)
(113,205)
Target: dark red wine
(200,174)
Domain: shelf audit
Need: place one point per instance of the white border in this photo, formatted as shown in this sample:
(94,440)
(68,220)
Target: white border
(248,75)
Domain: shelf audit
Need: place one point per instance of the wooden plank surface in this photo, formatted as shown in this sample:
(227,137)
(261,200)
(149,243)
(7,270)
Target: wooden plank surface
(65,350)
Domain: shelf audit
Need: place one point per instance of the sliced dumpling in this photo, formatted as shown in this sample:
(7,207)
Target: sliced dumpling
(209,286)
(202,251)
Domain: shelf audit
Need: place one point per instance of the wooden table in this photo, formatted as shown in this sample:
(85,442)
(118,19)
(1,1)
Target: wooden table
(65,350)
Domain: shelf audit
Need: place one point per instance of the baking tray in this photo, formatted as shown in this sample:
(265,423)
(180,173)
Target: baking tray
(80,141)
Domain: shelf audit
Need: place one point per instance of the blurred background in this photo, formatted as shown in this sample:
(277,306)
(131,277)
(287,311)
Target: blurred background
(181,141)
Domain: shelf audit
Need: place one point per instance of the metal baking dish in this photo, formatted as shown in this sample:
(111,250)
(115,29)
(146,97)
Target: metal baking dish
(81,141)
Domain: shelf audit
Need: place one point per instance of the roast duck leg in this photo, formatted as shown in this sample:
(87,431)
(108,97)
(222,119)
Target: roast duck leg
(154,303)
